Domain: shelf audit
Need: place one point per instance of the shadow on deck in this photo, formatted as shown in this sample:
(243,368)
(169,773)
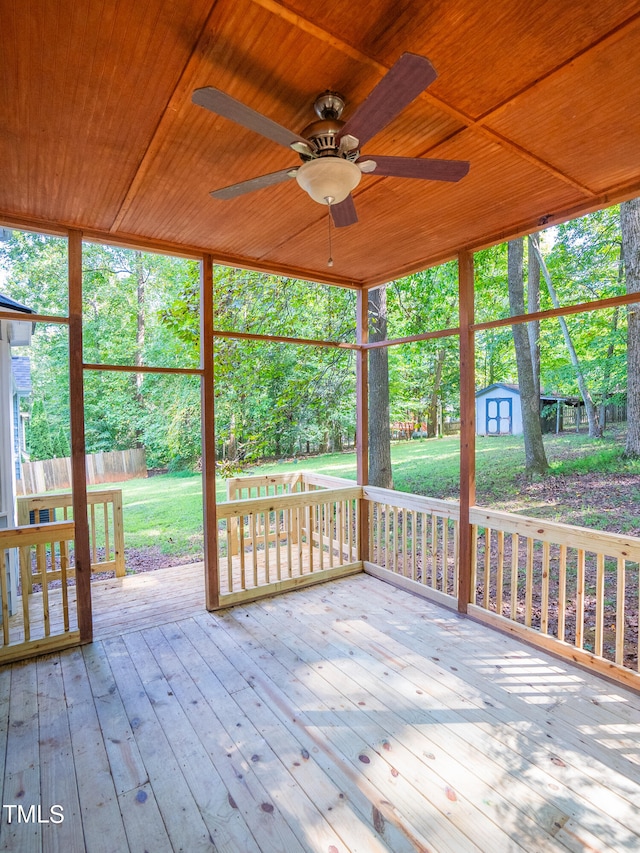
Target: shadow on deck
(347,716)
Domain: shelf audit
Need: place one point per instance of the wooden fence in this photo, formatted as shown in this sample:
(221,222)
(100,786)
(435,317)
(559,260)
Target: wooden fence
(48,621)
(106,530)
(113,467)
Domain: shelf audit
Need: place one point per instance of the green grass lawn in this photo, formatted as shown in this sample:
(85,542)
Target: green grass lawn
(165,512)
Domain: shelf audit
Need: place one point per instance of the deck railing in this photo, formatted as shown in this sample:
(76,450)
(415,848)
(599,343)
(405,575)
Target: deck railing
(570,586)
(571,590)
(276,542)
(414,538)
(106,530)
(33,624)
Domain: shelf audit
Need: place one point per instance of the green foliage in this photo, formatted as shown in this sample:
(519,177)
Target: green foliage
(275,399)
(39,440)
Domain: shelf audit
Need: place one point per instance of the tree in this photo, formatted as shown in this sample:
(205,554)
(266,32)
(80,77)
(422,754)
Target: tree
(595,429)
(39,439)
(380,473)
(533,305)
(535,456)
(630,224)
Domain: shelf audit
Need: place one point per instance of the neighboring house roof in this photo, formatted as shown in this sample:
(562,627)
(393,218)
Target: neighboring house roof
(21,370)
(507,386)
(9,304)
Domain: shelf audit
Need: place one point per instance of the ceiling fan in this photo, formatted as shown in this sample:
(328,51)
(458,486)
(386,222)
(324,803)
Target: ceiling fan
(329,148)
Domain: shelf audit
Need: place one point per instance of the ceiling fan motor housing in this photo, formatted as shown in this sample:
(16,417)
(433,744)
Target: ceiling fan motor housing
(322,134)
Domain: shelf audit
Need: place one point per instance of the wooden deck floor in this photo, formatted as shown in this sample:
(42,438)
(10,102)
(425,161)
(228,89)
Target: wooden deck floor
(350,716)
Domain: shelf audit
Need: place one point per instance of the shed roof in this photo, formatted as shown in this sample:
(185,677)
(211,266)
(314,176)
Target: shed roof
(100,132)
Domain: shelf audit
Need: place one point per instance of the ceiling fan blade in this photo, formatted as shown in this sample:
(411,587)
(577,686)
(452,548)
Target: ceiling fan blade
(417,167)
(249,186)
(404,81)
(344,214)
(224,105)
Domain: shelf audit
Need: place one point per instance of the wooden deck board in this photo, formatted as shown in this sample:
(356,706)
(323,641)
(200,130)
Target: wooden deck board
(346,717)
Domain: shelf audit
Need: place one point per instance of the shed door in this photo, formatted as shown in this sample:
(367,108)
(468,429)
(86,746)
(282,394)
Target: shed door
(499,420)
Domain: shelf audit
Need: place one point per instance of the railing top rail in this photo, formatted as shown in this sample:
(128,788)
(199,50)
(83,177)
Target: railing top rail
(232,509)
(406,500)
(53,500)
(328,481)
(37,534)
(583,538)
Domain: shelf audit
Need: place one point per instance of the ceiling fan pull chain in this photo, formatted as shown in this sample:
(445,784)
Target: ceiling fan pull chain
(329,201)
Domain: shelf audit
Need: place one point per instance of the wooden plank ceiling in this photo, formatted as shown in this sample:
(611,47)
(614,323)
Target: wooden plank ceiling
(99,131)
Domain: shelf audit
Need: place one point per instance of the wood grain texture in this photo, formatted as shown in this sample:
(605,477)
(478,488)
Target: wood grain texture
(352,715)
(103,138)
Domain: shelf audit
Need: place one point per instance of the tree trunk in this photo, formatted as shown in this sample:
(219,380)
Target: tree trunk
(434,397)
(533,305)
(535,456)
(379,421)
(630,224)
(140,335)
(606,377)
(595,430)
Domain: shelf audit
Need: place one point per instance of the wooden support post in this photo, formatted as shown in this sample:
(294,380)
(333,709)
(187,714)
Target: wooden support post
(362,418)
(210,520)
(82,548)
(467,427)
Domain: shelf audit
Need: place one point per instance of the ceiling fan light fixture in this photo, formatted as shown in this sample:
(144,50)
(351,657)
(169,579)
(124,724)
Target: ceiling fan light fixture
(328,178)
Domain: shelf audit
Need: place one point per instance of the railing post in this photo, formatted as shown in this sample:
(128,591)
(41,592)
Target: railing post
(78,458)
(211,569)
(362,419)
(467,426)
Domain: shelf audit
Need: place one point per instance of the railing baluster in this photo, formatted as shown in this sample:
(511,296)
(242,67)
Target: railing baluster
(107,545)
(487,568)
(434,550)
(579,641)
(474,562)
(254,546)
(405,563)
(414,545)
(94,546)
(277,515)
(266,525)
(528,603)
(64,560)
(515,560)
(499,571)
(544,609)
(620,609)
(4,593)
(562,590)
(42,559)
(299,535)
(599,633)
(241,546)
(231,528)
(289,517)
(456,554)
